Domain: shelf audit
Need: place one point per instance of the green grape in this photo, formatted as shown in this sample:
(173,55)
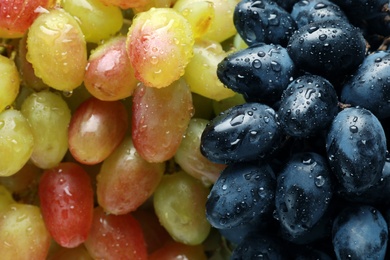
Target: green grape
(159,44)
(9,83)
(179,202)
(222,27)
(200,72)
(23,233)
(190,159)
(49,117)
(239,43)
(199,13)
(57,50)
(222,105)
(5,198)
(16,141)
(97,21)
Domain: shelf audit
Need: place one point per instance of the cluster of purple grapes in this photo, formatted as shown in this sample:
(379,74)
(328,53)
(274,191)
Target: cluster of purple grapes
(307,173)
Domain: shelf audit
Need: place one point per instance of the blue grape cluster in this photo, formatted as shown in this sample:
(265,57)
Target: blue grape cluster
(308,168)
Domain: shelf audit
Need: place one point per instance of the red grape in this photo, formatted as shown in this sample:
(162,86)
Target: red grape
(66,198)
(115,237)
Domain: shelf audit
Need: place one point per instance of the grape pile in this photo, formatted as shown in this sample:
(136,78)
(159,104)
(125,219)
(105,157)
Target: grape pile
(194,129)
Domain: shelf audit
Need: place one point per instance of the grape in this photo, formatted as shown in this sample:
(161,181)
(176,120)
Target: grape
(243,193)
(326,48)
(260,72)
(17,16)
(57,49)
(242,133)
(23,233)
(159,120)
(96,129)
(9,84)
(307,106)
(66,199)
(356,149)
(305,12)
(263,21)
(359,90)
(360,232)
(126,180)
(97,21)
(200,14)
(109,75)
(303,194)
(49,117)
(222,27)
(189,157)
(126,4)
(179,202)
(200,71)
(79,252)
(159,45)
(16,141)
(115,237)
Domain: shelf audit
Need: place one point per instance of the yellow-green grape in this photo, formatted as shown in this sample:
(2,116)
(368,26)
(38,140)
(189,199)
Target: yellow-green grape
(97,21)
(16,141)
(200,72)
(57,50)
(222,26)
(9,83)
(224,104)
(180,205)
(199,13)
(49,116)
(23,233)
(239,43)
(5,198)
(159,44)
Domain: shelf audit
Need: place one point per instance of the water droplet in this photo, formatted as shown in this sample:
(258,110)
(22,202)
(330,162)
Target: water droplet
(275,66)
(354,129)
(261,54)
(67,93)
(247,176)
(322,37)
(224,187)
(312,29)
(320,6)
(256,64)
(319,181)
(309,93)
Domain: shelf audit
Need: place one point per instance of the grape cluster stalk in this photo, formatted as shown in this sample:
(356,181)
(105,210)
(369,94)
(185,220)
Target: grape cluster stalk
(194,129)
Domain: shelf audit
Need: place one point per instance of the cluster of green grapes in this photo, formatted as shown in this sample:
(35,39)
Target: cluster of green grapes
(102,105)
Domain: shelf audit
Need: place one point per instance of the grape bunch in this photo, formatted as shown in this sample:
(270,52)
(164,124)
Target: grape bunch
(306,153)
(194,129)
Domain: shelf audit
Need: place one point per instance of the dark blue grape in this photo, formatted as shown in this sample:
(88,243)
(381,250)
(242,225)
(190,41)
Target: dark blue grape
(362,9)
(242,133)
(243,193)
(308,106)
(360,232)
(369,87)
(377,194)
(258,246)
(330,48)
(264,21)
(260,72)
(356,148)
(286,4)
(309,11)
(303,193)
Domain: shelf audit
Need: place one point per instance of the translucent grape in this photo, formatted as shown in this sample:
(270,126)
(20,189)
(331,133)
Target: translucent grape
(109,75)
(57,49)
(97,21)
(160,118)
(159,45)
(9,83)
(179,202)
(49,116)
(23,233)
(126,180)
(200,71)
(16,141)
(5,198)
(96,129)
